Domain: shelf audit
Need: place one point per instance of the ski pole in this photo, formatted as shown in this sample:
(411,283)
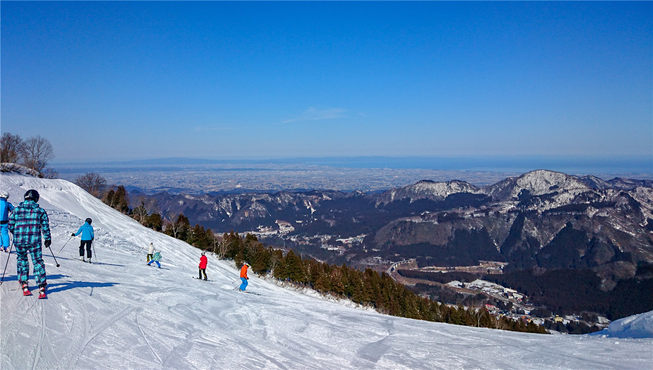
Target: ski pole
(55,258)
(5,270)
(64,244)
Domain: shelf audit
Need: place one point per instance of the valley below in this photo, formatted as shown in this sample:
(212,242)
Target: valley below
(578,251)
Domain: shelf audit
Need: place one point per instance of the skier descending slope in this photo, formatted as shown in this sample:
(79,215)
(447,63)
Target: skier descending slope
(87,239)
(26,224)
(155,258)
(5,208)
(243,276)
(150,252)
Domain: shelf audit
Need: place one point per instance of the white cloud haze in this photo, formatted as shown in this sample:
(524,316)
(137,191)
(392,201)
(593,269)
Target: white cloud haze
(314,114)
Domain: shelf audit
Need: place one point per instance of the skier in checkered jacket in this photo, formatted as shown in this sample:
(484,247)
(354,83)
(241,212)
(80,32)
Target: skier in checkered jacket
(26,223)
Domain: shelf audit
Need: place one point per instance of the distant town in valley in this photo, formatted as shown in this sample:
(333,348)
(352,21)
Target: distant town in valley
(187,176)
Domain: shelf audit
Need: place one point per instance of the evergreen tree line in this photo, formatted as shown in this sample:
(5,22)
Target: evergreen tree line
(367,288)
(178,227)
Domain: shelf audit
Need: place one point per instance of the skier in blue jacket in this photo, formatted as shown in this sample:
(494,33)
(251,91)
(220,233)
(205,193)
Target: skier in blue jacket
(5,208)
(87,238)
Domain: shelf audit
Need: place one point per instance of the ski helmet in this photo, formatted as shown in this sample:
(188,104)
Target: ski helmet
(88,220)
(3,194)
(32,194)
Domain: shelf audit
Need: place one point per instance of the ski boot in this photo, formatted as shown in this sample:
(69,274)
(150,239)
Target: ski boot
(81,258)
(26,291)
(89,261)
(42,293)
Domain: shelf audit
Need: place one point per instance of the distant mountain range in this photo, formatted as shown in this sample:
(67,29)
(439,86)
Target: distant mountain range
(537,222)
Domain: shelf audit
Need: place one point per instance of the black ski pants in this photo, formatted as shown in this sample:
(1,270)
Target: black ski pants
(88,248)
(203,271)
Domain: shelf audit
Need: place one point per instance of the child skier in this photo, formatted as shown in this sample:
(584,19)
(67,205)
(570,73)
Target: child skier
(87,238)
(155,258)
(150,252)
(26,224)
(243,276)
(5,208)
(203,262)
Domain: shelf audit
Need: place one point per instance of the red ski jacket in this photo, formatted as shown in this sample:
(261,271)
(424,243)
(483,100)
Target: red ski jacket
(203,261)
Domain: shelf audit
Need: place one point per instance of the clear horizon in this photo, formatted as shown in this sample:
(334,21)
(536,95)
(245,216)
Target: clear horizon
(131,80)
(393,170)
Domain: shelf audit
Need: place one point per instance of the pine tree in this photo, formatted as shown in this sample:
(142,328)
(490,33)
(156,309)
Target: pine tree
(337,286)
(154,221)
(293,268)
(121,200)
(182,227)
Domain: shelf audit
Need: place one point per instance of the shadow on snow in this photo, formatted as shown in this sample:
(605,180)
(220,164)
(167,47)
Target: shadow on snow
(48,277)
(60,287)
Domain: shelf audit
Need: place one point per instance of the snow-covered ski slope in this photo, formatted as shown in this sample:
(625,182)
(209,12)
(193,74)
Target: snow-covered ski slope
(122,314)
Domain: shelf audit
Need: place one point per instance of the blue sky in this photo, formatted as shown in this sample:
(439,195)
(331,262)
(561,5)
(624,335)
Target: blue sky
(111,81)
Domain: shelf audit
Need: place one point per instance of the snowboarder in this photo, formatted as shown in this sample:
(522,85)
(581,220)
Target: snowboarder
(26,224)
(87,238)
(5,208)
(203,262)
(243,276)
(155,258)
(150,252)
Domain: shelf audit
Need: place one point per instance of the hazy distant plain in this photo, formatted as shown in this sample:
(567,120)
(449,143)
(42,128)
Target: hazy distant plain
(347,174)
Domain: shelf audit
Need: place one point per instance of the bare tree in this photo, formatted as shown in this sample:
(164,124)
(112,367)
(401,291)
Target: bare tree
(11,148)
(38,151)
(219,247)
(140,213)
(92,183)
(172,228)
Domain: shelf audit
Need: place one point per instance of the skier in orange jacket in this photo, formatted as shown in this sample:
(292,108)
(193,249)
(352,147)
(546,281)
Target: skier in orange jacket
(243,276)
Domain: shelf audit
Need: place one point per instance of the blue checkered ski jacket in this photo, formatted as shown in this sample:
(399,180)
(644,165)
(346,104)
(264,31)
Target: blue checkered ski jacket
(27,222)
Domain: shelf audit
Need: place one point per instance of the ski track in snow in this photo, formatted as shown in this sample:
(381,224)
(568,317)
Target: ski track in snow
(120,313)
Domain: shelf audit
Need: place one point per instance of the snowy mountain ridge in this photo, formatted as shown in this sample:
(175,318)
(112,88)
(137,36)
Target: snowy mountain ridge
(537,182)
(427,189)
(540,182)
(120,313)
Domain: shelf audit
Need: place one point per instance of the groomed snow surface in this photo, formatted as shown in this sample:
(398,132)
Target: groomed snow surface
(119,313)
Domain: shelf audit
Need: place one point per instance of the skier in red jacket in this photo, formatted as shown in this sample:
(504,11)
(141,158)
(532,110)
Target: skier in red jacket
(203,262)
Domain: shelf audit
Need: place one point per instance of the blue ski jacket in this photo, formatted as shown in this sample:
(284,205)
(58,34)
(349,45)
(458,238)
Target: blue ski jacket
(5,208)
(87,232)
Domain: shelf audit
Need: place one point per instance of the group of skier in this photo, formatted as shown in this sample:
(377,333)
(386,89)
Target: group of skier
(153,255)
(30,226)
